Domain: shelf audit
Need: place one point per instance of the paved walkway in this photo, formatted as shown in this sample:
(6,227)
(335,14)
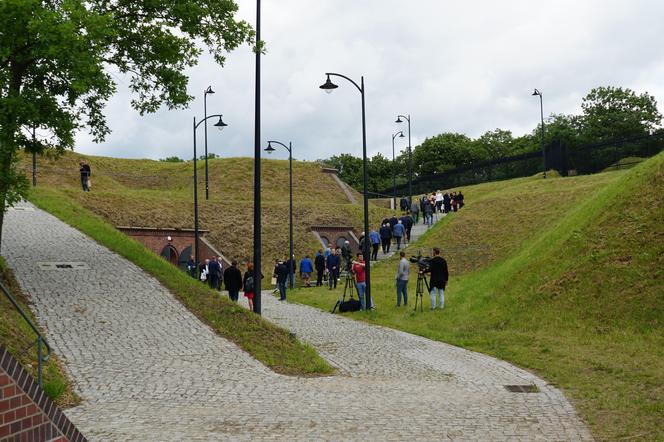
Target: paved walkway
(147,369)
(416,231)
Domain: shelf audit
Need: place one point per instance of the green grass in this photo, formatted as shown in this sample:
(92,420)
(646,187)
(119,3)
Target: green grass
(561,276)
(20,339)
(267,343)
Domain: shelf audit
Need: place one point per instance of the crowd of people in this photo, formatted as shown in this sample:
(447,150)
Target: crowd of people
(328,264)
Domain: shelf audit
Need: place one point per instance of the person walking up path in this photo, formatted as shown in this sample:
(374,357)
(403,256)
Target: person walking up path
(148,369)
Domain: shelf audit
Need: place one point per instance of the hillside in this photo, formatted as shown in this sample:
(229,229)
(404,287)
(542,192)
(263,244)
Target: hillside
(562,276)
(159,194)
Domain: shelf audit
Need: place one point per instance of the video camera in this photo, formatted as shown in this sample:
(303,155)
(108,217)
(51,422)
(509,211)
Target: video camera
(423,262)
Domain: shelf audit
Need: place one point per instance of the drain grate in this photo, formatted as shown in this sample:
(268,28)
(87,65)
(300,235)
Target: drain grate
(522,388)
(63,266)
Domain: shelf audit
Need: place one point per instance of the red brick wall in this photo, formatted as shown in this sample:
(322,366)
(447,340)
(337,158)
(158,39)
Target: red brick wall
(26,412)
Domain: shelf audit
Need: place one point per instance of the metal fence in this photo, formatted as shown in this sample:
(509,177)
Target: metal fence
(585,159)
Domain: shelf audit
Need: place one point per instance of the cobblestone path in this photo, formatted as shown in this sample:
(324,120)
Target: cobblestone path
(148,370)
(416,231)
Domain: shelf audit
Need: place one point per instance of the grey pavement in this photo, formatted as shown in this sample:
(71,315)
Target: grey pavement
(147,369)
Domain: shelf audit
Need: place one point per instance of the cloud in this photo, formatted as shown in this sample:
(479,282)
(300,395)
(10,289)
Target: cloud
(462,66)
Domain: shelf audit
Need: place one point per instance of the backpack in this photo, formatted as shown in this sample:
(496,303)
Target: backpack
(249,285)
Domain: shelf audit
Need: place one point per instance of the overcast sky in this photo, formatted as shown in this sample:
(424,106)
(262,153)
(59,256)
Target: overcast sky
(462,66)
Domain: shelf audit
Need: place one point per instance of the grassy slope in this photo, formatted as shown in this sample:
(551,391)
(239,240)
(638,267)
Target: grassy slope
(19,339)
(264,341)
(153,193)
(562,276)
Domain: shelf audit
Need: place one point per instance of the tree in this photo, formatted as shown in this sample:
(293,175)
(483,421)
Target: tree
(442,152)
(172,160)
(55,57)
(496,143)
(613,113)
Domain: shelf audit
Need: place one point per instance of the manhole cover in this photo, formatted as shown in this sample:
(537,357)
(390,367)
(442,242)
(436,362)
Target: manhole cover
(522,388)
(63,266)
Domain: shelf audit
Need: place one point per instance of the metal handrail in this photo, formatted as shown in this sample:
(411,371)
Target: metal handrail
(40,339)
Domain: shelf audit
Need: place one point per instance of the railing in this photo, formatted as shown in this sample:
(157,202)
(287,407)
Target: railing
(41,341)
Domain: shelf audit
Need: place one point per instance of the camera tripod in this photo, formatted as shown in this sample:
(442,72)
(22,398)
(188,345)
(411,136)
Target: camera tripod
(349,287)
(419,292)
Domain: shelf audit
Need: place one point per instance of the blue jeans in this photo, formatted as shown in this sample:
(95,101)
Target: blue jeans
(441,296)
(402,288)
(361,289)
(428,219)
(282,290)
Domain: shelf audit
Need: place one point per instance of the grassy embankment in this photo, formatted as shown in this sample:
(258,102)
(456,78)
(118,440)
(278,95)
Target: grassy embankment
(19,339)
(561,276)
(157,194)
(269,344)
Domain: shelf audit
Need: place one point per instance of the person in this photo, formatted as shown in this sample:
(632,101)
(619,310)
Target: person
(454,202)
(407,221)
(374,237)
(415,210)
(291,275)
(319,265)
(282,273)
(359,270)
(404,204)
(439,201)
(428,213)
(204,270)
(248,285)
(191,267)
(306,269)
(220,261)
(84,169)
(403,271)
(438,279)
(213,273)
(361,241)
(347,255)
(423,202)
(333,263)
(386,237)
(398,232)
(447,203)
(233,281)
(460,199)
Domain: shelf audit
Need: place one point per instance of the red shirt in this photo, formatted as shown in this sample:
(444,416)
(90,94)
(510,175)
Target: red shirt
(359,272)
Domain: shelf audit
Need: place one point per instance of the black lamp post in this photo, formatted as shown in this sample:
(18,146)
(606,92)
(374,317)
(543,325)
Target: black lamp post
(394,168)
(34,158)
(219,124)
(410,159)
(269,149)
(257,167)
(537,92)
(328,87)
(205,94)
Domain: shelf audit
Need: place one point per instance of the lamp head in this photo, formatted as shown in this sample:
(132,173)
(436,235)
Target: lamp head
(536,92)
(328,87)
(269,149)
(401,134)
(209,90)
(399,120)
(220,124)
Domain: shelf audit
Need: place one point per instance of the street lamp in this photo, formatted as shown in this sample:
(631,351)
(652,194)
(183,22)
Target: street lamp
(218,124)
(269,149)
(205,94)
(394,168)
(257,167)
(410,159)
(537,92)
(328,87)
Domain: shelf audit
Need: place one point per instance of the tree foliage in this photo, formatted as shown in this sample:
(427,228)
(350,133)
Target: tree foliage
(56,58)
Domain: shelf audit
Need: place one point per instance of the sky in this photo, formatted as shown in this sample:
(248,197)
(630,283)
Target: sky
(455,66)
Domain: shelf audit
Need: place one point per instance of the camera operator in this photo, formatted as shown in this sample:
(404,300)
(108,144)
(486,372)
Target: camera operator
(438,279)
(359,271)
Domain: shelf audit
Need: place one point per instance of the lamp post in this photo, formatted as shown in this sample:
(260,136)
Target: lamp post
(269,149)
(539,93)
(410,159)
(394,168)
(257,167)
(328,87)
(205,94)
(34,158)
(219,124)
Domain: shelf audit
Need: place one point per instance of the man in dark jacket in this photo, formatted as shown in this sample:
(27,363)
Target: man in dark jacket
(233,281)
(319,264)
(447,203)
(333,263)
(404,204)
(439,277)
(407,222)
(347,255)
(290,264)
(282,272)
(385,237)
(213,276)
(85,175)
